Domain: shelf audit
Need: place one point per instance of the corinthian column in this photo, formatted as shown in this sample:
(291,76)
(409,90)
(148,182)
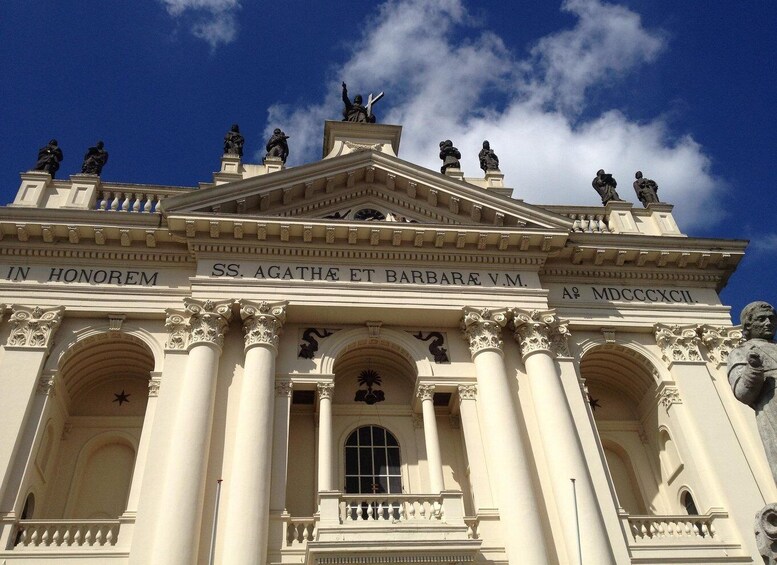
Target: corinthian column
(200,328)
(248,481)
(25,354)
(431,438)
(540,336)
(519,511)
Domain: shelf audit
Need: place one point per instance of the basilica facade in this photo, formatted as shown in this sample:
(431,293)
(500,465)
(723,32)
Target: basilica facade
(363,361)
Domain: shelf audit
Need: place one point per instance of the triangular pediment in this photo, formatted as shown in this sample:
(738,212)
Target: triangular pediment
(364,186)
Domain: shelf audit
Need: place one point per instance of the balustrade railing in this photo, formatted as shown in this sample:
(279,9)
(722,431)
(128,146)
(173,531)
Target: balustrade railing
(63,534)
(390,508)
(138,201)
(300,530)
(664,529)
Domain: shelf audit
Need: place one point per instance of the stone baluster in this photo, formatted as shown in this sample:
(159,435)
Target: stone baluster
(249,480)
(541,336)
(431,438)
(325,459)
(201,330)
(519,509)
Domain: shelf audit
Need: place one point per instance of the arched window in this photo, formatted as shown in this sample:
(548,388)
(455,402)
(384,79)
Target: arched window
(372,463)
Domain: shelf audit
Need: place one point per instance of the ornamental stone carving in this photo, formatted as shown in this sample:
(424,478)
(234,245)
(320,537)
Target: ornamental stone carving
(720,340)
(678,343)
(201,321)
(325,390)
(540,330)
(668,395)
(284,388)
(47,385)
(425,392)
(482,328)
(262,322)
(468,392)
(34,327)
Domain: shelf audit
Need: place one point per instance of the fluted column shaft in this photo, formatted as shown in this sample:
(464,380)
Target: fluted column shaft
(539,334)
(431,438)
(519,510)
(325,475)
(248,482)
(178,531)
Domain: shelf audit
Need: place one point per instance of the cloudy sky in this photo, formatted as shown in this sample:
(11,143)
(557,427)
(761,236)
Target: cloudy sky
(683,91)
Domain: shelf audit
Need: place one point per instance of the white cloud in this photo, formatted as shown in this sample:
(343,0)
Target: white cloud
(533,111)
(211,20)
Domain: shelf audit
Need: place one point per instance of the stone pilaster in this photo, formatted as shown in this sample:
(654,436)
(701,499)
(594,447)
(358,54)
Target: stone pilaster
(247,517)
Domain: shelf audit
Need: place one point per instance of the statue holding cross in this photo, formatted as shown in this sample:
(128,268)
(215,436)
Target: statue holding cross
(356,111)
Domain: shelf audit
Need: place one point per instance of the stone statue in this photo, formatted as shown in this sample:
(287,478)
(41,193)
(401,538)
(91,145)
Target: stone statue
(233,141)
(646,189)
(450,156)
(49,158)
(752,368)
(277,146)
(488,159)
(95,159)
(355,111)
(605,185)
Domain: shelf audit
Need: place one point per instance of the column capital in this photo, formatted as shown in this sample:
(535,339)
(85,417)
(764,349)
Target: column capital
(678,343)
(262,322)
(325,390)
(482,328)
(540,330)
(284,388)
(201,321)
(34,327)
(720,340)
(468,392)
(425,392)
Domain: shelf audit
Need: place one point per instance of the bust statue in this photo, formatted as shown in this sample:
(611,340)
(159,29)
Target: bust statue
(752,368)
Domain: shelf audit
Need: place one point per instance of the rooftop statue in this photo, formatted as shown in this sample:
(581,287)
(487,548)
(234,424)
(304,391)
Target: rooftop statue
(49,158)
(488,159)
(646,189)
(277,146)
(357,112)
(95,159)
(605,185)
(233,141)
(450,156)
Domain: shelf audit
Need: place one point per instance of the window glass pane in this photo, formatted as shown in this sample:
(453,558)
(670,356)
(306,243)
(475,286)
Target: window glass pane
(351,461)
(378,436)
(365,485)
(365,461)
(364,435)
(391,440)
(352,485)
(395,485)
(393,460)
(351,439)
(379,457)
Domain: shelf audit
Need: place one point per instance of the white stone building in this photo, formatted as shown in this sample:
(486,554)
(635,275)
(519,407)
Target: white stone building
(383,363)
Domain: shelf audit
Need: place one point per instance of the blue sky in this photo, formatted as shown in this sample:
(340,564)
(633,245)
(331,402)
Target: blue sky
(684,91)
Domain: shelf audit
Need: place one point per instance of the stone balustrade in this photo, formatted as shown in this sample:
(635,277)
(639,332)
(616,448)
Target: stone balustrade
(667,529)
(390,508)
(299,531)
(138,201)
(66,534)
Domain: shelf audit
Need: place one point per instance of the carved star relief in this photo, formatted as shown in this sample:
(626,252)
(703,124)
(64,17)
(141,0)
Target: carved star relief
(121,397)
